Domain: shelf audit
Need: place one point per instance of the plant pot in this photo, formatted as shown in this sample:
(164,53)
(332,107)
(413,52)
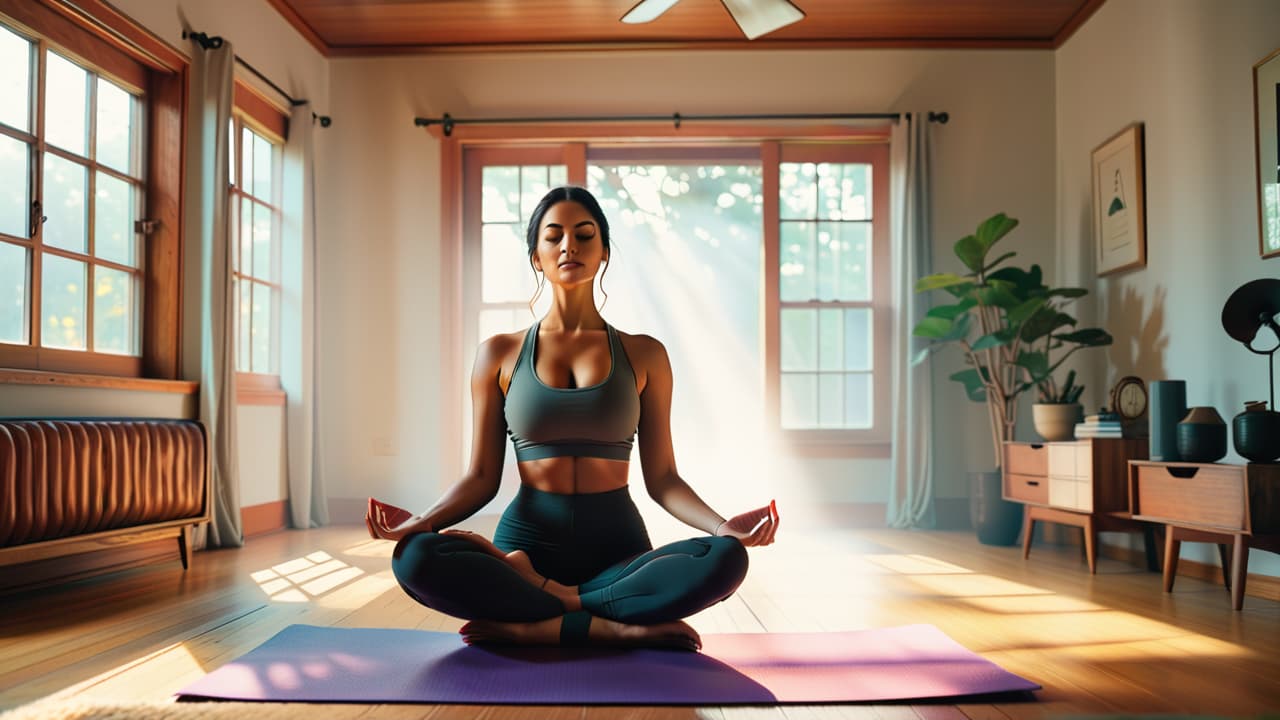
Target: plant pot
(1056,421)
(996,520)
(1256,434)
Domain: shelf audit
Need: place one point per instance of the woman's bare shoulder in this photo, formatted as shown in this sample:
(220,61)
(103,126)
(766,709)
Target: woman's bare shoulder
(499,351)
(644,351)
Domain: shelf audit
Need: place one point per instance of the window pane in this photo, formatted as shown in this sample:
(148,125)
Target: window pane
(64,194)
(799,328)
(830,339)
(246,159)
(245,258)
(853,265)
(232,179)
(114,130)
(799,400)
(112,311)
(501,320)
(66,104)
(857,339)
(533,185)
(830,400)
(797,191)
(845,191)
(798,281)
(263,166)
(13,294)
(244,317)
(63,303)
(500,201)
(559,175)
(262,244)
(504,265)
(15,187)
(858,397)
(15,80)
(262,328)
(113,236)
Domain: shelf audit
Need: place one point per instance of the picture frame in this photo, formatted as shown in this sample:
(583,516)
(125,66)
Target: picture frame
(1119,202)
(1266,138)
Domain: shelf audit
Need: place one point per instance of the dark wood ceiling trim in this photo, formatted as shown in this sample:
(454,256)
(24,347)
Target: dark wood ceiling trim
(299,24)
(927,44)
(1085,12)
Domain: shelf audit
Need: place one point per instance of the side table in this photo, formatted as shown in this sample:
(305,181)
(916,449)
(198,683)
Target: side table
(1210,502)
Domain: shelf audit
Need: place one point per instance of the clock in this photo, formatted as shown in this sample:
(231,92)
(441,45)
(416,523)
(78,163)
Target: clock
(1129,397)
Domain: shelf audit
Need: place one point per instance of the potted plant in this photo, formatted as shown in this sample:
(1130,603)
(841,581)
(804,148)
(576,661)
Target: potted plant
(1056,413)
(1007,323)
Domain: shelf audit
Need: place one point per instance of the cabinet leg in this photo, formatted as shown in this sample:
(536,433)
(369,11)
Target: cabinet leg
(1151,548)
(1224,554)
(184,546)
(1090,551)
(1028,528)
(1171,548)
(1239,570)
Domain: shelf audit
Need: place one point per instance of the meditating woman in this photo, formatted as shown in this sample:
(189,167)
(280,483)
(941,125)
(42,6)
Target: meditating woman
(571,562)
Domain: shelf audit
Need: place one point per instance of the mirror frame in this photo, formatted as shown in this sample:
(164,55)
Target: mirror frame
(1266,134)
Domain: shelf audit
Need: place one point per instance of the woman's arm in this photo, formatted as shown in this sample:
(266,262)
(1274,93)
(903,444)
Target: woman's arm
(657,457)
(480,483)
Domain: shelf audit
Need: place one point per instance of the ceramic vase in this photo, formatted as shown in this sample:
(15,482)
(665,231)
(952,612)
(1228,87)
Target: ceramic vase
(996,520)
(1255,433)
(1202,436)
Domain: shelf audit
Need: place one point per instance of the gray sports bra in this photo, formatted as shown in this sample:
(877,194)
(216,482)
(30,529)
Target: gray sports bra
(595,421)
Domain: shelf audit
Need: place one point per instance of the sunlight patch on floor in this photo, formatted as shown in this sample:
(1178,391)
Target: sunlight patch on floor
(301,579)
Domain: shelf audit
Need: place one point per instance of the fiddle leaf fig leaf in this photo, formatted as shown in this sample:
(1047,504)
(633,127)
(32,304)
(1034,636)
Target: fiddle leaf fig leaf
(934,328)
(998,260)
(951,312)
(1003,336)
(1071,292)
(938,281)
(994,228)
(1089,337)
(1023,312)
(1036,364)
(972,382)
(971,252)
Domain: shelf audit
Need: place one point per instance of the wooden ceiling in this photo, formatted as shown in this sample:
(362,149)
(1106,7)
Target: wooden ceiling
(380,27)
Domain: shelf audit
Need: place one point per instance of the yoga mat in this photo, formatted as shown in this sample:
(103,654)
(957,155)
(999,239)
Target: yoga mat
(305,663)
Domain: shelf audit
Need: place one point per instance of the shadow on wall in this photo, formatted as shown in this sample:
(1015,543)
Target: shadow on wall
(1141,340)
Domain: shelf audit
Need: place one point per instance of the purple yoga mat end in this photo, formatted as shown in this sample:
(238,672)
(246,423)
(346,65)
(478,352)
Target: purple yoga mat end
(305,663)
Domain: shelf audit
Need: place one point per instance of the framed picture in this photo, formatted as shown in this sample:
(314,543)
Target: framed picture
(1119,202)
(1266,88)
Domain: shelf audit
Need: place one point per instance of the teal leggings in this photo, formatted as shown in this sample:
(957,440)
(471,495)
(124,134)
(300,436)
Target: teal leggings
(595,541)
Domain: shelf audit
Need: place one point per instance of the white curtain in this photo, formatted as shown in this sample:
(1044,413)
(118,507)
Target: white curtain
(911,491)
(301,374)
(207,243)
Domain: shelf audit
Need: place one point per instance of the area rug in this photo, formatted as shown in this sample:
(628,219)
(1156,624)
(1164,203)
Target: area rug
(305,663)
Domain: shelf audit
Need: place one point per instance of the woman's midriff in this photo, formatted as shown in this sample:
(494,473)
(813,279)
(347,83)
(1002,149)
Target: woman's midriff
(567,475)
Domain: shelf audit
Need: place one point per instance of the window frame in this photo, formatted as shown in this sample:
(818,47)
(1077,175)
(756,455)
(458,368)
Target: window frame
(471,147)
(252,111)
(107,44)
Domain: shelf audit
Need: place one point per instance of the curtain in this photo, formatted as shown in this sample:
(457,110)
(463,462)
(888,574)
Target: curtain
(300,376)
(911,490)
(207,243)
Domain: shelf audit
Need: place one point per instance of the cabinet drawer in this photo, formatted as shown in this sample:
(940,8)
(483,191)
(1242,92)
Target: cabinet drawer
(1067,460)
(1026,488)
(1213,497)
(1064,493)
(1026,459)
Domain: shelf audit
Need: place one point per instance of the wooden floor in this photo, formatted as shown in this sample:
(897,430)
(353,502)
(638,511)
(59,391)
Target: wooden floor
(1098,644)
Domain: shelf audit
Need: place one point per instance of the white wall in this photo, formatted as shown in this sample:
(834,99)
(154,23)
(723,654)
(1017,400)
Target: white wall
(1183,68)
(381,345)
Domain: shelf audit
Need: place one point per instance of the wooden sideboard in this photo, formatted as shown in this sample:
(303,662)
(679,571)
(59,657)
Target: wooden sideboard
(1082,483)
(1216,503)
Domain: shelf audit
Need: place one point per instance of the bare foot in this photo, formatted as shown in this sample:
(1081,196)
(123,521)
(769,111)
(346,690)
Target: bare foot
(676,635)
(567,594)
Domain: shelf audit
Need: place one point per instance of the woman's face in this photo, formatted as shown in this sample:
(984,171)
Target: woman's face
(569,250)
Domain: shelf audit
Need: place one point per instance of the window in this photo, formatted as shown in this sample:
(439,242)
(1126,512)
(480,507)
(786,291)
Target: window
(780,251)
(83,269)
(255,229)
(832,267)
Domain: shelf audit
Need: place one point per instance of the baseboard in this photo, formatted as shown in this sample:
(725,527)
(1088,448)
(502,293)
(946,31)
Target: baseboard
(1261,586)
(70,568)
(264,518)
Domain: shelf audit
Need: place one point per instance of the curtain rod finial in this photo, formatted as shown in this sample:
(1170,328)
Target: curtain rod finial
(939,117)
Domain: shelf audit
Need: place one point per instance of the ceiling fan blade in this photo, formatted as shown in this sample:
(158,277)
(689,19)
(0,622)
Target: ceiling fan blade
(761,17)
(647,11)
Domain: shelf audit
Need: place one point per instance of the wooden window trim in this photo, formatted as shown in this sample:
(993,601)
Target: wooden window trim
(259,389)
(98,36)
(10,376)
(260,113)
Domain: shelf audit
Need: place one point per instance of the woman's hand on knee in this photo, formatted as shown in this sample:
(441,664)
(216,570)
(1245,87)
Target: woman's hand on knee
(754,527)
(388,522)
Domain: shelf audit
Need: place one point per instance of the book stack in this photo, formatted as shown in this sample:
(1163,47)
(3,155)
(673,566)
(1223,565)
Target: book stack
(1101,425)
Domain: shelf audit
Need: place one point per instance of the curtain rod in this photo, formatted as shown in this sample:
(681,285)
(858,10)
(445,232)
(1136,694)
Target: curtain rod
(448,121)
(215,41)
